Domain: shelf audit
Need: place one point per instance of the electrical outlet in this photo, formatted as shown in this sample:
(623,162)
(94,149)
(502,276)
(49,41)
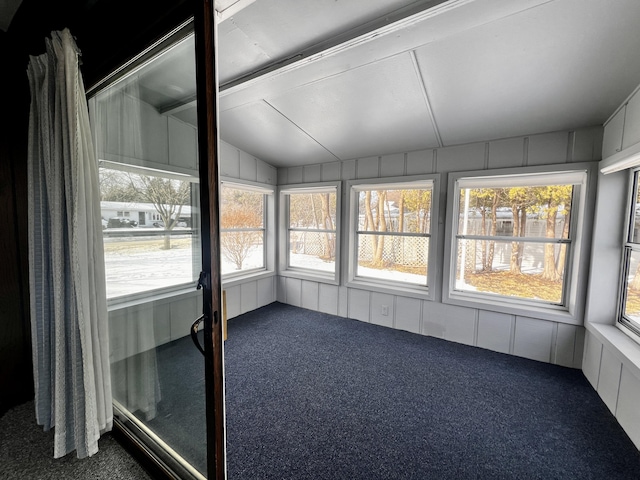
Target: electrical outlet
(385,310)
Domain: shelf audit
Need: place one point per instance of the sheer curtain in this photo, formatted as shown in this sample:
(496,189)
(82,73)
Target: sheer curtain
(66,260)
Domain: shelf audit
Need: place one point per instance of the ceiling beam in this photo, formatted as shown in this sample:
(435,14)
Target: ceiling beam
(179,106)
(405,34)
(232,9)
(370,28)
(369,43)
(390,22)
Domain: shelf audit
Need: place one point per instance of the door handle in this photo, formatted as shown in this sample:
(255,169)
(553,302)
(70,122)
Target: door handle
(194,333)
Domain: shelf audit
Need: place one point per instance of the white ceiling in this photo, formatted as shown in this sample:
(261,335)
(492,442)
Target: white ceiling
(460,72)
(309,81)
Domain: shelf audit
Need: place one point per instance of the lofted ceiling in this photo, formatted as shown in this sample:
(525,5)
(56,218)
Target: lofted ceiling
(376,76)
(310,81)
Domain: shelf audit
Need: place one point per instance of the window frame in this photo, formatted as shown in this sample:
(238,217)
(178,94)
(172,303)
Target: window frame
(168,290)
(268,269)
(354,187)
(285,269)
(627,325)
(571,308)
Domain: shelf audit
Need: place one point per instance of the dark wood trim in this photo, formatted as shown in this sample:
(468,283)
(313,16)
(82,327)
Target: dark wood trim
(16,372)
(143,456)
(93,23)
(205,38)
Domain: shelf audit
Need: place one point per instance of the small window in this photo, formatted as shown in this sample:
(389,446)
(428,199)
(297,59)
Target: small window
(630,299)
(514,238)
(242,229)
(391,234)
(139,258)
(309,231)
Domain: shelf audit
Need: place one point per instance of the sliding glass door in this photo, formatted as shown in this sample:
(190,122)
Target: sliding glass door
(158,222)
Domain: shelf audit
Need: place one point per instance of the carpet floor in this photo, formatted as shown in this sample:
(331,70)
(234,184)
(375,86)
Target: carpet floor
(26,453)
(315,396)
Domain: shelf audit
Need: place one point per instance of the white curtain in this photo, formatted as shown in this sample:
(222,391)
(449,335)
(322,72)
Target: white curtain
(66,259)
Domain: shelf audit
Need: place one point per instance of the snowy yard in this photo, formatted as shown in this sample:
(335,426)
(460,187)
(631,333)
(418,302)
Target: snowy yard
(139,264)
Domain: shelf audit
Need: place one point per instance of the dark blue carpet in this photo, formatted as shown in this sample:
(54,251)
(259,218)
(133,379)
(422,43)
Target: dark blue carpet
(315,396)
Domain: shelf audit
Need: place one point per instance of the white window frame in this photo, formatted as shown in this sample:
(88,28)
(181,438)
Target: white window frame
(285,269)
(582,176)
(236,278)
(627,325)
(170,290)
(354,187)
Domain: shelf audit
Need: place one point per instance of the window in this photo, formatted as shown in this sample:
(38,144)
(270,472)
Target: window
(139,257)
(515,238)
(309,235)
(243,210)
(391,234)
(629,316)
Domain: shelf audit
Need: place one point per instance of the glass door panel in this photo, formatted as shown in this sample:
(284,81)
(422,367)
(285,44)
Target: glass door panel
(146,138)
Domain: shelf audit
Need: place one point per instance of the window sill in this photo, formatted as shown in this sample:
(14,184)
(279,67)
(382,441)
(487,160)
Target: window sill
(624,348)
(163,297)
(249,277)
(170,294)
(314,276)
(511,307)
(405,290)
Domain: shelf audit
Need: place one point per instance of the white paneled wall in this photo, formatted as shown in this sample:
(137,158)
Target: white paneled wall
(236,163)
(140,327)
(137,328)
(532,338)
(616,380)
(247,295)
(611,359)
(522,336)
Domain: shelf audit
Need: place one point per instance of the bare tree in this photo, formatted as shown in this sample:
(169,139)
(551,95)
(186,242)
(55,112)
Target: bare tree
(553,200)
(381,226)
(167,196)
(241,222)
(237,243)
(520,201)
(327,224)
(116,186)
(487,201)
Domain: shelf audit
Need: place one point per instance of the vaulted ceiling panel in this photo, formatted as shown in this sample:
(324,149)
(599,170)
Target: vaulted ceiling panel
(171,79)
(272,30)
(543,69)
(372,110)
(238,52)
(357,78)
(260,130)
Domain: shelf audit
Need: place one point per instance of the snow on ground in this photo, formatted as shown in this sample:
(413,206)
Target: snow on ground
(393,275)
(253,260)
(302,260)
(135,271)
(134,267)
